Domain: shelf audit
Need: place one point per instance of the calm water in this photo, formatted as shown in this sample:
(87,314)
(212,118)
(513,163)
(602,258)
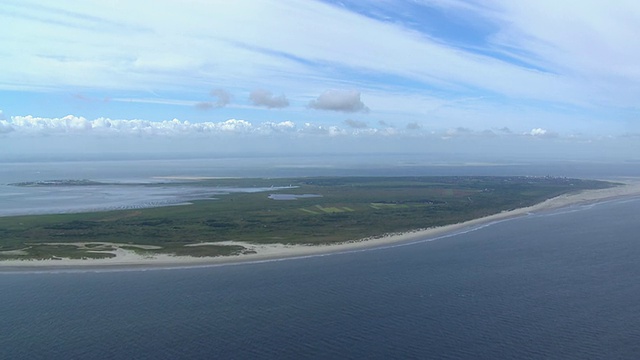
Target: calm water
(559,285)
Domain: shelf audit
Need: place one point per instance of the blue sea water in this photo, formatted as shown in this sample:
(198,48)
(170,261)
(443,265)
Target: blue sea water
(556,285)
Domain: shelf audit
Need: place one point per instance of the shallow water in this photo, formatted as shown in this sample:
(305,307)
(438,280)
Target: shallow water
(37,200)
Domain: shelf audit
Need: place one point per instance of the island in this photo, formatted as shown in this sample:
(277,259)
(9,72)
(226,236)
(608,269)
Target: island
(283,217)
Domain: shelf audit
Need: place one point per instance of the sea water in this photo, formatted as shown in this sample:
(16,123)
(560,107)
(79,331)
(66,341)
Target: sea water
(552,285)
(549,285)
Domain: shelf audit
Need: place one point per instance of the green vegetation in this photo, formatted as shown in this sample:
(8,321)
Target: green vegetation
(56,252)
(350,208)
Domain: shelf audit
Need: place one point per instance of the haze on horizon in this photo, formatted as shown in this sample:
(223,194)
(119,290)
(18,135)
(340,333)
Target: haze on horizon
(484,79)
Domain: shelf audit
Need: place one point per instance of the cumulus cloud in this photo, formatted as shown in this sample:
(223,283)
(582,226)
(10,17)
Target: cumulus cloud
(339,100)
(541,133)
(261,97)
(5,127)
(1,115)
(413,126)
(313,129)
(284,126)
(233,125)
(355,124)
(224,98)
(68,123)
(537,132)
(72,125)
(104,126)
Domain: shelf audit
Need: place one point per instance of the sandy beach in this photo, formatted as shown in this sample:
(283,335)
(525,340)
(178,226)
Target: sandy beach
(266,252)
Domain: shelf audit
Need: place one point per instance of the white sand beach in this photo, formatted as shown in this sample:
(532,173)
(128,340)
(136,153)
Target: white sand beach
(264,252)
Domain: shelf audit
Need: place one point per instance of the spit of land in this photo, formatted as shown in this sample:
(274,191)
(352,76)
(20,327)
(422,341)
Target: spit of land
(344,214)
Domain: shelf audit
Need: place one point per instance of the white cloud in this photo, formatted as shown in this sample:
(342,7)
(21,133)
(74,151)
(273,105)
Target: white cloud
(538,132)
(37,124)
(29,134)
(592,44)
(261,97)
(78,125)
(5,127)
(542,133)
(281,127)
(31,125)
(314,129)
(587,55)
(234,125)
(339,100)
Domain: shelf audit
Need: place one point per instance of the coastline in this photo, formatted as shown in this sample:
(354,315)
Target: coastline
(127,259)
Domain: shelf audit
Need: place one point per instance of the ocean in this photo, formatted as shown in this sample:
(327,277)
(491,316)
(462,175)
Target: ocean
(551,285)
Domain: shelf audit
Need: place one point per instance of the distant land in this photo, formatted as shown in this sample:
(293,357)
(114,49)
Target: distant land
(281,213)
(63,182)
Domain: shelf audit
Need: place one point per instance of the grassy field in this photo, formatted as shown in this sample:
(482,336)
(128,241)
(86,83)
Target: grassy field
(349,208)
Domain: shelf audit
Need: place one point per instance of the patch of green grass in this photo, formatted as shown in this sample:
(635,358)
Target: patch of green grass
(37,251)
(329,210)
(310,212)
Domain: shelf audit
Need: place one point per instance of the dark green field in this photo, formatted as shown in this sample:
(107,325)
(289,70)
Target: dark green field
(349,209)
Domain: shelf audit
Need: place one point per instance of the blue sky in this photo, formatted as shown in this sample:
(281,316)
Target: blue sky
(431,69)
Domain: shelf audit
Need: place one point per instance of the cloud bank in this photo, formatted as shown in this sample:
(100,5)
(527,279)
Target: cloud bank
(78,125)
(104,126)
(77,135)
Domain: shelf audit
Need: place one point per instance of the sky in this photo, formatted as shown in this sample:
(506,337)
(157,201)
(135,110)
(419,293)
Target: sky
(554,79)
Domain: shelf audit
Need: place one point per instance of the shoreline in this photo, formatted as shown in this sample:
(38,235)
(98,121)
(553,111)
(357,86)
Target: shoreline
(128,259)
